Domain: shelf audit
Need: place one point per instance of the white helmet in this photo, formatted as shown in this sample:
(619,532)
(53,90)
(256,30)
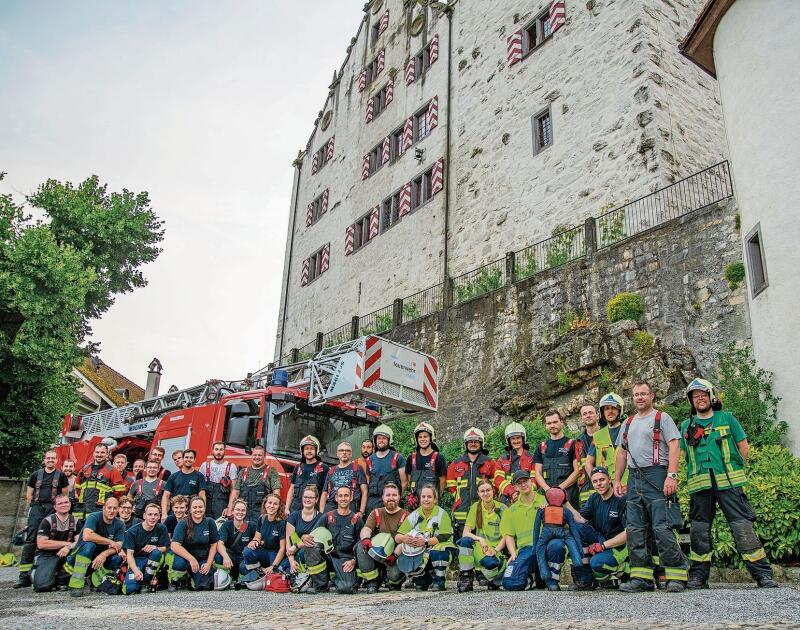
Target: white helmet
(222,580)
(257,585)
(410,551)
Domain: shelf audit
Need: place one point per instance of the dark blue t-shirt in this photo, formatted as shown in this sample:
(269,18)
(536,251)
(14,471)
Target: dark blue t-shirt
(272,532)
(114,531)
(302,527)
(606,516)
(228,533)
(137,537)
(205,534)
(187,484)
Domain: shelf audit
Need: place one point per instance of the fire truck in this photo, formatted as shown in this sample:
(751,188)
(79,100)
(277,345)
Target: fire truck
(338,395)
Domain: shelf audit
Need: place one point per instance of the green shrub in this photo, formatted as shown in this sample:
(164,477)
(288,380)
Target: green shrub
(643,342)
(525,266)
(560,248)
(486,281)
(771,471)
(562,378)
(746,390)
(734,274)
(625,305)
(410,311)
(612,227)
(604,380)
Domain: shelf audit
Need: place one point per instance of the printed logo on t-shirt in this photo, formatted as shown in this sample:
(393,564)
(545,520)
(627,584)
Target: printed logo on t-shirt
(205,532)
(613,514)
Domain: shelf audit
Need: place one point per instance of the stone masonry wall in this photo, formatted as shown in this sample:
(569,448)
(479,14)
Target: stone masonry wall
(678,270)
(629,115)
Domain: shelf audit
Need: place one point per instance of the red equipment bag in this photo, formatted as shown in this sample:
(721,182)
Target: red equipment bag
(277,582)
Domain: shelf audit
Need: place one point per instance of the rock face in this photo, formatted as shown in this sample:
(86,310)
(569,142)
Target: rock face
(628,115)
(513,352)
(584,364)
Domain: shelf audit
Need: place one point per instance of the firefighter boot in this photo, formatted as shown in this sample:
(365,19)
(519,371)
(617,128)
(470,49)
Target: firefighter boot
(465,581)
(24,581)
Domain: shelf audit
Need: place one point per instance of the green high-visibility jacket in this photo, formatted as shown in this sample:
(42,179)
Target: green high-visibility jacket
(716,453)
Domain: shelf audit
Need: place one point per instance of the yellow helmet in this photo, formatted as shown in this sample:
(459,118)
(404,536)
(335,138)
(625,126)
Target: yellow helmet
(700,384)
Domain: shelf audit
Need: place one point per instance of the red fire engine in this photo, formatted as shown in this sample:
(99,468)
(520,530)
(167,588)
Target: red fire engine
(335,396)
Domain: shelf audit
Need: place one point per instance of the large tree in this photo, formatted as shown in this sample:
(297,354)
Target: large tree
(56,275)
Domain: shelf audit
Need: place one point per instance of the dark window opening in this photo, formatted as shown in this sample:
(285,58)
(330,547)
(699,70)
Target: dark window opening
(542,131)
(755,261)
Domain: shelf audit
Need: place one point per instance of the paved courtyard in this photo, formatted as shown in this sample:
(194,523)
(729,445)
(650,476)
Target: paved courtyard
(724,606)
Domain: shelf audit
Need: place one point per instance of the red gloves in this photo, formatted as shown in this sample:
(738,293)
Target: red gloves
(412,501)
(366,544)
(390,559)
(595,548)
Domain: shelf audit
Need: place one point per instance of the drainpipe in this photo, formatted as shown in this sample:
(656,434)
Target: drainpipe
(291,249)
(448,180)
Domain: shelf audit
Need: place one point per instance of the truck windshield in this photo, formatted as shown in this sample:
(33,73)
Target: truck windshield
(287,429)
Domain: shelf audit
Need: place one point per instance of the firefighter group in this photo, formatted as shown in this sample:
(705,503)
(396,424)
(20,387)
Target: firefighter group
(605,499)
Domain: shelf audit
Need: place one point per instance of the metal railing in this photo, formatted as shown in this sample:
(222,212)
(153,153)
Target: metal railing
(306,352)
(424,303)
(376,322)
(709,186)
(480,281)
(559,249)
(702,189)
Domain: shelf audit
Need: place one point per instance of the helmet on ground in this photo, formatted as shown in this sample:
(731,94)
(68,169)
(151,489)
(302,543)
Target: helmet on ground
(300,582)
(222,580)
(424,427)
(412,566)
(383,429)
(323,537)
(382,546)
(309,440)
(610,400)
(515,429)
(702,385)
(408,550)
(257,585)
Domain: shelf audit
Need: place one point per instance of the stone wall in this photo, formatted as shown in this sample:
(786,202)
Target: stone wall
(629,116)
(12,511)
(500,353)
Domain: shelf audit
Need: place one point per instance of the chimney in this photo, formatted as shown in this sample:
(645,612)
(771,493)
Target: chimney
(153,379)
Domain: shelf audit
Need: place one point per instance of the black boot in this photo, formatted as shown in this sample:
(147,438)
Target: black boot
(766,582)
(24,581)
(465,581)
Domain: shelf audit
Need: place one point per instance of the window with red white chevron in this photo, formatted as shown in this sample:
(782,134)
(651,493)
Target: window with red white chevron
(315,265)
(361,232)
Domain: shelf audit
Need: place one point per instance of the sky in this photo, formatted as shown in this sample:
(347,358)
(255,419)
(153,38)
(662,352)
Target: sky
(202,104)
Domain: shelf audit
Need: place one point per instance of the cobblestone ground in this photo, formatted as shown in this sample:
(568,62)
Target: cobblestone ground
(729,607)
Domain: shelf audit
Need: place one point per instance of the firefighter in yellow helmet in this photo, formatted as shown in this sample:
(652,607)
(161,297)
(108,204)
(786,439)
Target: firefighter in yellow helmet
(464,473)
(603,452)
(310,472)
(425,466)
(716,450)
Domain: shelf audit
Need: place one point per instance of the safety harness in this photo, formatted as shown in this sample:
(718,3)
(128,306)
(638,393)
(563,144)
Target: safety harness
(376,513)
(656,438)
(40,480)
(225,480)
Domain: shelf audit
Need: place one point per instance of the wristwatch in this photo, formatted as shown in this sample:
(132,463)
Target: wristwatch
(672,475)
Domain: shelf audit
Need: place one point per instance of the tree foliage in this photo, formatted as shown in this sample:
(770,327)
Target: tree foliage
(55,275)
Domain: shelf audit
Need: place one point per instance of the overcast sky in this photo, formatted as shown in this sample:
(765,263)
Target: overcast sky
(202,104)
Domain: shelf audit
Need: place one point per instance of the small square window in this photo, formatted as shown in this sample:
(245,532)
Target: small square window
(398,146)
(756,265)
(542,131)
(421,127)
(421,189)
(375,159)
(315,265)
(390,211)
(537,32)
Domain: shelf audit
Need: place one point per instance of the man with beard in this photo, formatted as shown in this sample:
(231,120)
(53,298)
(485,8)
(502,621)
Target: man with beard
(255,482)
(384,466)
(375,551)
(603,452)
(96,482)
(366,450)
(426,465)
(310,472)
(517,457)
(220,476)
(716,454)
(68,468)
(556,459)
(463,476)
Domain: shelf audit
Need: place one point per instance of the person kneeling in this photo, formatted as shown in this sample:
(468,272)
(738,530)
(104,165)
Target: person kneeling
(194,545)
(426,547)
(54,540)
(266,552)
(145,546)
(335,539)
(377,542)
(482,544)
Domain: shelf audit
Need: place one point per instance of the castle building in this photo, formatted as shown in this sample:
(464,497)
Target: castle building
(456,132)
(751,46)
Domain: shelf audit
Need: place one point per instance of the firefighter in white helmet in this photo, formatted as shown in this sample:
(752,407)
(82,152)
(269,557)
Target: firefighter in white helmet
(425,466)
(383,466)
(517,457)
(310,472)
(464,474)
